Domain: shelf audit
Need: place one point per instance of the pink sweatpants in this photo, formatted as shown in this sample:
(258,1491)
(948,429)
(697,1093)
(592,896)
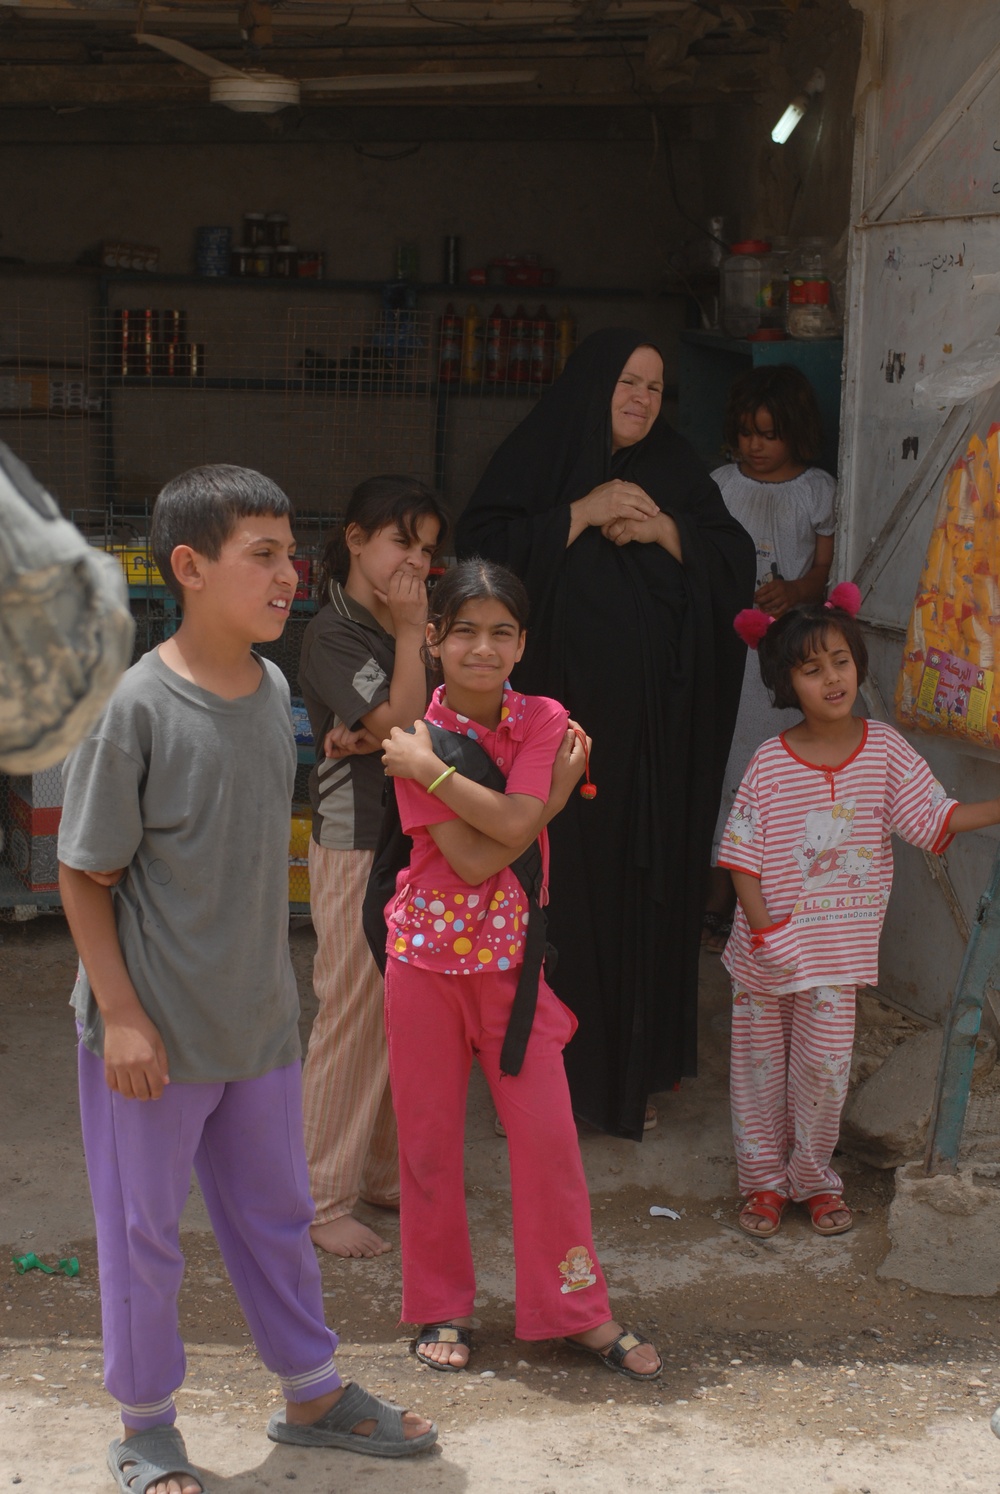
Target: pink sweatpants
(437,1024)
(788,1076)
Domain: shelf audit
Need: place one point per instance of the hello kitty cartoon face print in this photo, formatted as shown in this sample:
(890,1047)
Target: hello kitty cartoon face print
(819,857)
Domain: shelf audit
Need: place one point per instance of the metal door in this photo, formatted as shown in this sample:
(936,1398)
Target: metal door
(924,283)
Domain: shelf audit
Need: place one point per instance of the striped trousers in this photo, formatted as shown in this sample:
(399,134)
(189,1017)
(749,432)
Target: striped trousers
(789,1070)
(350,1128)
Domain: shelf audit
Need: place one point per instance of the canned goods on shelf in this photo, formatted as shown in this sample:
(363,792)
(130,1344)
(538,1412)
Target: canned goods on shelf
(254,229)
(276,229)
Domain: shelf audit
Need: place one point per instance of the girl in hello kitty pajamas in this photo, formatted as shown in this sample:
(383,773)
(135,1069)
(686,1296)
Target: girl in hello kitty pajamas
(808,846)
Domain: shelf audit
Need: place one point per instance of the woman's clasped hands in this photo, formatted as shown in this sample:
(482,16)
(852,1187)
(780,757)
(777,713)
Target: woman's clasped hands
(626,514)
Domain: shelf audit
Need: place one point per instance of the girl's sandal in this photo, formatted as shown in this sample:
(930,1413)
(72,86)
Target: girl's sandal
(766,1205)
(443,1333)
(821,1206)
(613,1355)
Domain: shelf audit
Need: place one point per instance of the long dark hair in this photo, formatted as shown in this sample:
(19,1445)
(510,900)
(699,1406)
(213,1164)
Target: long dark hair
(790,641)
(473,580)
(787,396)
(376,503)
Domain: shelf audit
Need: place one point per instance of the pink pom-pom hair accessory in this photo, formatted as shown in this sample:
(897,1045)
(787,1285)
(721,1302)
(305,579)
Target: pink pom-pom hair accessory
(751,624)
(846,596)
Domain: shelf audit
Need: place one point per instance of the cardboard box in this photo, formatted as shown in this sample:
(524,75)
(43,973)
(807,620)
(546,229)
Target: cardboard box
(41,790)
(24,391)
(35,861)
(32,819)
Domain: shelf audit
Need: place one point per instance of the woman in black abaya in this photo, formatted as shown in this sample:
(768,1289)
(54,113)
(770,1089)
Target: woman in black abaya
(635,571)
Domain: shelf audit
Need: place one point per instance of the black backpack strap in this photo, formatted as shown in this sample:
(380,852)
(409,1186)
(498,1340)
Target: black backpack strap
(393,852)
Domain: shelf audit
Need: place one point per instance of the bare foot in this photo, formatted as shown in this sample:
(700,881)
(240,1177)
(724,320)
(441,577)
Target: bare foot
(349,1238)
(303,1413)
(457,1355)
(642,1360)
(177,1483)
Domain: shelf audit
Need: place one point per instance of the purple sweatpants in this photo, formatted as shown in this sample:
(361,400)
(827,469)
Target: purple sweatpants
(244,1141)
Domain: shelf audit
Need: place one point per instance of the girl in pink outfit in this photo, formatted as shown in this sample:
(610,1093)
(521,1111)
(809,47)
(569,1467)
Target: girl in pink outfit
(457,932)
(808,845)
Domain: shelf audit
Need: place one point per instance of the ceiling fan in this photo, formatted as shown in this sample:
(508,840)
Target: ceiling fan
(255,91)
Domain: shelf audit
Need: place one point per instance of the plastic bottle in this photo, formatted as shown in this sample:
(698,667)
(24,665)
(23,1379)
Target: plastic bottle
(450,345)
(565,339)
(495,351)
(749,274)
(519,351)
(543,347)
(811,313)
(472,346)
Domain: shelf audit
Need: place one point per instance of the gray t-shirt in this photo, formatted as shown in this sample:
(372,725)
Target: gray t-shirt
(192,794)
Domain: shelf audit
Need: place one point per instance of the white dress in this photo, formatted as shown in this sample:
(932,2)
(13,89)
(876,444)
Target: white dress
(783,519)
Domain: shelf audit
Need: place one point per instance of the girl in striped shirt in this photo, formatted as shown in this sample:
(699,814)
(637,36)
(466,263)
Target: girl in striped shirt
(808,845)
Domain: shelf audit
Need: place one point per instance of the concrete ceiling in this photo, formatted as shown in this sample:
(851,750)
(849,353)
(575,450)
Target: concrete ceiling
(68,54)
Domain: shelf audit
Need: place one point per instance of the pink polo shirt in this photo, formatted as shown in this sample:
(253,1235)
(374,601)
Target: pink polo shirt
(436,921)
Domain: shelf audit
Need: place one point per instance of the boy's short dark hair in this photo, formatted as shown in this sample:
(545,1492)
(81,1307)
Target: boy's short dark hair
(788,397)
(201,508)
(792,639)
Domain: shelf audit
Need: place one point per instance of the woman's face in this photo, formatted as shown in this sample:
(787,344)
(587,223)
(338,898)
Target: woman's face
(637,398)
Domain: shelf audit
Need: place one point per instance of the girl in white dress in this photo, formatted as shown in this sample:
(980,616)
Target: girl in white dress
(785,503)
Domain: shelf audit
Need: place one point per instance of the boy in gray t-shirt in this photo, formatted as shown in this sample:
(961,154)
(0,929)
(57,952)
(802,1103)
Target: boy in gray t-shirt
(173,852)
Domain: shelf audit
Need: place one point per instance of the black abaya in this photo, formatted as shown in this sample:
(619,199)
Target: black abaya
(641,649)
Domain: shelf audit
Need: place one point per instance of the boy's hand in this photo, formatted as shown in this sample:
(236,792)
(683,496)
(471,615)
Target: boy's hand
(107,879)
(406,599)
(411,755)
(135,1060)
(341,741)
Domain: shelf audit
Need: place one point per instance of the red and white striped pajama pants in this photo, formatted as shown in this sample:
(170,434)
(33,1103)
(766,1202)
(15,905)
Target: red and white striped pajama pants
(789,1070)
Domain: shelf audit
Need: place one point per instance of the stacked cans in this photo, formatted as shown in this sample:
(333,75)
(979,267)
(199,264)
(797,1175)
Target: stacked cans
(213,247)
(148,343)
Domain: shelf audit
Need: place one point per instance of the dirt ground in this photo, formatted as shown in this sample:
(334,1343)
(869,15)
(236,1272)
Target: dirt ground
(789,1363)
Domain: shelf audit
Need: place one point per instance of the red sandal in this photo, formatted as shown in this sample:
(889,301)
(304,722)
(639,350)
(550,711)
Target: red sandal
(767,1205)
(821,1206)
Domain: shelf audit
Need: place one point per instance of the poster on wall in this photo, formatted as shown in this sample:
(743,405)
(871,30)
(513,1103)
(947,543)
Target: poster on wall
(950,680)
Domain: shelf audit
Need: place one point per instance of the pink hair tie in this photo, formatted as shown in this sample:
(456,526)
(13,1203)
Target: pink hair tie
(751,624)
(846,596)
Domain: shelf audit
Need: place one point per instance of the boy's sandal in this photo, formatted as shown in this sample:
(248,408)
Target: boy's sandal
(336,1428)
(150,1457)
(821,1206)
(442,1333)
(613,1354)
(764,1204)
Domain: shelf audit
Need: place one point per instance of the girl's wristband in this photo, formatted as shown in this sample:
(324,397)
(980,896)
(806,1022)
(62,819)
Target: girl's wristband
(441,778)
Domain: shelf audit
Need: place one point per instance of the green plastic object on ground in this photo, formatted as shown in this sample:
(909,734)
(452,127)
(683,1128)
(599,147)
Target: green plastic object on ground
(69,1266)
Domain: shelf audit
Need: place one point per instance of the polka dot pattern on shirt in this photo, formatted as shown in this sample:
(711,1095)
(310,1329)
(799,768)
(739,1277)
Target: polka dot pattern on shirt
(472,932)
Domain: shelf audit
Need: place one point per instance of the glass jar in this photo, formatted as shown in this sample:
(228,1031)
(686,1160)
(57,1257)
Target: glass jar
(254,231)
(750,291)
(262,261)
(276,229)
(286,261)
(811,312)
(239,263)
